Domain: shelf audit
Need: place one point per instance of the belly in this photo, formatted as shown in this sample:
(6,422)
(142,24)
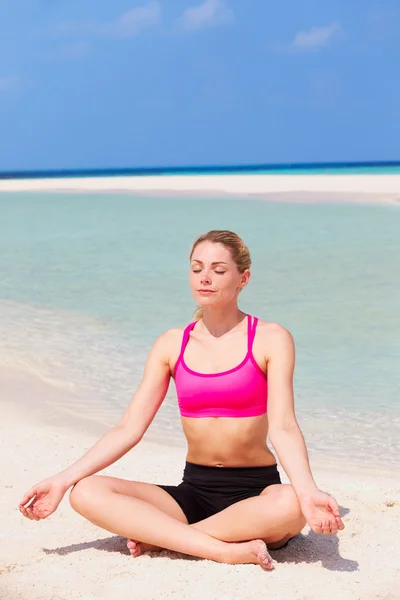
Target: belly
(228,442)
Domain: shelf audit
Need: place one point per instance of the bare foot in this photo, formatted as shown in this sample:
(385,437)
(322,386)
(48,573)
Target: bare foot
(137,548)
(254,552)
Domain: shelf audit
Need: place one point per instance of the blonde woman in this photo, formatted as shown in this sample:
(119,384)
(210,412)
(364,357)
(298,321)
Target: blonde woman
(234,381)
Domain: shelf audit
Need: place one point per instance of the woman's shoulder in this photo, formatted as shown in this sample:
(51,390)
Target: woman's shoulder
(174,334)
(170,339)
(273,331)
(168,345)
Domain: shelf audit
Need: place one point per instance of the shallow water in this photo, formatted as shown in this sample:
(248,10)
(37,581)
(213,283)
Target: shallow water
(88,281)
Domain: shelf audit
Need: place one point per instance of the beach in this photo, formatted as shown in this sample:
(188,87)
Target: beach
(80,312)
(366,188)
(64,557)
(133,134)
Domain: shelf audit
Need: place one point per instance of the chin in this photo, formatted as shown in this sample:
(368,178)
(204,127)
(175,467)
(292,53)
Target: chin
(207,304)
(204,301)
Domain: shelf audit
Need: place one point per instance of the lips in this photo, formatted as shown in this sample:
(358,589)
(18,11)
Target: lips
(206,291)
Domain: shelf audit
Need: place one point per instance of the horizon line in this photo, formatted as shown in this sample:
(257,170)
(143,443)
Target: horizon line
(192,169)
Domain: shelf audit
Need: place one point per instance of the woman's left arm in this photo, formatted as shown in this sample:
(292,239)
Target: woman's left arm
(320,509)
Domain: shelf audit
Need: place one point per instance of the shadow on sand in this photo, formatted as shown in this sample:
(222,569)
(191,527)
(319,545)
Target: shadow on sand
(308,548)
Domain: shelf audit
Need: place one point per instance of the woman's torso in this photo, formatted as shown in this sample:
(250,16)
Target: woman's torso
(205,362)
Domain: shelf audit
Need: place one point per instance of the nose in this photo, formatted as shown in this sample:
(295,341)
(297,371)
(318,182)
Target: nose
(205,278)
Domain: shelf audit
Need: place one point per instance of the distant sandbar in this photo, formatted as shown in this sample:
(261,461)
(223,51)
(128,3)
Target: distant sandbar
(362,188)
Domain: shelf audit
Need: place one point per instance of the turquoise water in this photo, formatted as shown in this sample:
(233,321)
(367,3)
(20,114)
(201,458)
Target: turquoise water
(88,281)
(355,168)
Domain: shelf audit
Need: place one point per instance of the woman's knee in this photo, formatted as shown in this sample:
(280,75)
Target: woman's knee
(294,510)
(84,491)
(292,504)
(288,502)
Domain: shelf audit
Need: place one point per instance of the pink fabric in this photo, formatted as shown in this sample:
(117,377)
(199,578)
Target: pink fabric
(238,392)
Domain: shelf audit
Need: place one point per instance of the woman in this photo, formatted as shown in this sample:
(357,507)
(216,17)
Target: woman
(231,504)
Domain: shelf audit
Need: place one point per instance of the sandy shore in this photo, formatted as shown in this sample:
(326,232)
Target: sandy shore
(64,557)
(310,188)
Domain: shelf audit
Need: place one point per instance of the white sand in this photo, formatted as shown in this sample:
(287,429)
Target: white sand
(64,557)
(356,188)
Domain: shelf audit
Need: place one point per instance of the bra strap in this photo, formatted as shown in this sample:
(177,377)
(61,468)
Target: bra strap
(185,338)
(251,333)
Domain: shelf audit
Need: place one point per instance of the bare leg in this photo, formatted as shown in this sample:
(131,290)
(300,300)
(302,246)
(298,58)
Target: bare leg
(134,518)
(274,516)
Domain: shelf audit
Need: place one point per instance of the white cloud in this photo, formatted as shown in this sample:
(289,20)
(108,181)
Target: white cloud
(9,83)
(136,19)
(127,25)
(315,37)
(207,14)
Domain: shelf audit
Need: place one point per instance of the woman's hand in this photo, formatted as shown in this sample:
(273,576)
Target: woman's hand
(322,512)
(46,497)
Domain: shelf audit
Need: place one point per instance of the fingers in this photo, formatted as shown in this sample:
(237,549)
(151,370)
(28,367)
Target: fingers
(327,526)
(22,510)
(27,507)
(28,497)
(37,510)
(30,512)
(27,503)
(339,523)
(32,515)
(323,527)
(334,506)
(333,527)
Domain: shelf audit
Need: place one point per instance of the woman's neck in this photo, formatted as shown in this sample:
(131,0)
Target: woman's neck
(218,321)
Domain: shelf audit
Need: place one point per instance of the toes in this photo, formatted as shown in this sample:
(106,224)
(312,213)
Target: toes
(134,548)
(265,558)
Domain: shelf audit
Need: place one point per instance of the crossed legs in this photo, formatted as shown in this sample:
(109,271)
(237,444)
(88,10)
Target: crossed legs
(150,517)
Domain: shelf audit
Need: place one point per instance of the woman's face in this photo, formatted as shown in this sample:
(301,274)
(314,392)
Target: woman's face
(214,276)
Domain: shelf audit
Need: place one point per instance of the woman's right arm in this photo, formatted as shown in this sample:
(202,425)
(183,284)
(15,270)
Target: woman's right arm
(137,418)
(121,438)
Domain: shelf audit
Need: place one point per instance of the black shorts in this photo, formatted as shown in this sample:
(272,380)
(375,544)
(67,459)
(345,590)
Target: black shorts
(206,490)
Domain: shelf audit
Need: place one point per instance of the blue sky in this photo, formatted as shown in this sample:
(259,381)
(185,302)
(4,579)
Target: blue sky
(90,83)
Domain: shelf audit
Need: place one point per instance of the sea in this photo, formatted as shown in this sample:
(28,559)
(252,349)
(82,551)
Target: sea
(89,280)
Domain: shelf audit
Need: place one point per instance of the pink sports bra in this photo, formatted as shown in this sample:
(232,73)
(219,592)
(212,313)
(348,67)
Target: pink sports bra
(238,392)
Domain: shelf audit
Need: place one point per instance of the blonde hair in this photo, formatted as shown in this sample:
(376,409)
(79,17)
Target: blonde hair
(238,249)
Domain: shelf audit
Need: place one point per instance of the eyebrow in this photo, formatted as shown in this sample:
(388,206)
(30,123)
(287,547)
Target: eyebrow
(217,262)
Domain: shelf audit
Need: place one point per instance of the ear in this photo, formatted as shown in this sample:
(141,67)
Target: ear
(245,278)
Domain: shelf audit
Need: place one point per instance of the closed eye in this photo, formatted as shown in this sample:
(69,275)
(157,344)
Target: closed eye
(217,272)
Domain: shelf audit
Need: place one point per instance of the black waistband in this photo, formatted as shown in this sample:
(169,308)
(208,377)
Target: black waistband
(196,467)
(194,473)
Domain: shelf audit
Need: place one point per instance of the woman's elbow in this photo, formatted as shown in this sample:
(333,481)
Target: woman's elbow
(131,433)
(276,430)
